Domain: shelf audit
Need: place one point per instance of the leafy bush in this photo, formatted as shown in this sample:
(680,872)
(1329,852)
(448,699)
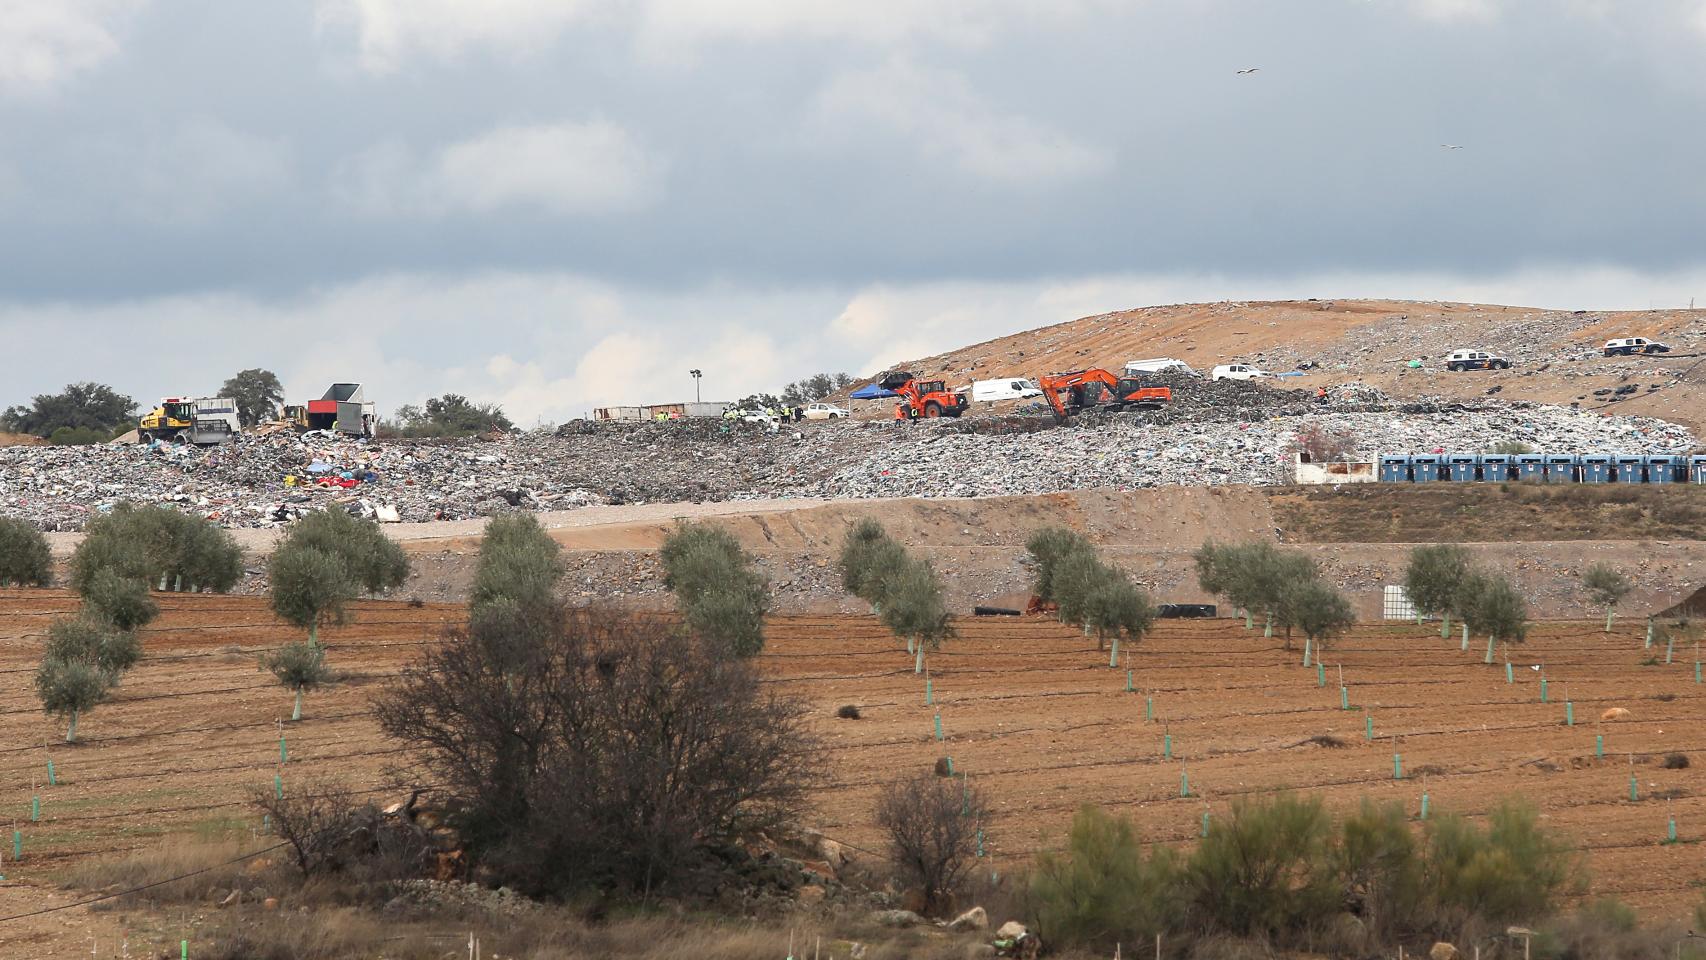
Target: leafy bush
(1606,586)
(931,824)
(1512,872)
(309,587)
(25,559)
(79,436)
(599,749)
(449,416)
(124,603)
(1266,870)
(1378,862)
(1101,890)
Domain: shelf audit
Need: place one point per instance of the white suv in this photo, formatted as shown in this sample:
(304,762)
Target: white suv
(1238,371)
(825,411)
(1628,346)
(1476,360)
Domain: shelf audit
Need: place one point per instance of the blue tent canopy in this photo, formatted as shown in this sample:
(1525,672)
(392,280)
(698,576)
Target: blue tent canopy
(871,391)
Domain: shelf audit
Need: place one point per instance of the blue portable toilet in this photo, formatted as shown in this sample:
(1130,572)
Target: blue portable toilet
(1630,469)
(1394,469)
(1664,468)
(1495,467)
(1597,467)
(1696,468)
(1461,466)
(1424,468)
(1561,467)
(1531,466)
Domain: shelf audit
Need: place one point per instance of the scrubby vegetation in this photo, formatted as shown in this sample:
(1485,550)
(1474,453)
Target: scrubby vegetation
(722,597)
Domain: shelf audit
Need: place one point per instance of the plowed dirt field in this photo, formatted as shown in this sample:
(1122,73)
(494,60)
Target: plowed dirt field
(1030,710)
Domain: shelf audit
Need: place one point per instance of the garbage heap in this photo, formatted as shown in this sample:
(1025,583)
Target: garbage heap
(1212,434)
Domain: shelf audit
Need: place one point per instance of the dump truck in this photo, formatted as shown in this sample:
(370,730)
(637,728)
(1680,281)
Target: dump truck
(202,421)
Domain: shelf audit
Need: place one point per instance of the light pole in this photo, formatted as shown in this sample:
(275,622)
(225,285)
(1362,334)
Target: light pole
(697,376)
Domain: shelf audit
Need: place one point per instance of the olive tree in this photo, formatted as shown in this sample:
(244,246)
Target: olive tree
(518,561)
(87,639)
(1492,605)
(722,598)
(120,601)
(310,587)
(1606,586)
(299,666)
(914,609)
(1115,608)
(1320,610)
(868,556)
(1049,549)
(25,559)
(1433,579)
(370,559)
(69,688)
(159,546)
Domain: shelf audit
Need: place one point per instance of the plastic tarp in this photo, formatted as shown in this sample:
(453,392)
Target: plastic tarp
(871,391)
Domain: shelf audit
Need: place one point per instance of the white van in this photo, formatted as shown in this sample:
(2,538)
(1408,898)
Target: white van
(1014,388)
(1158,365)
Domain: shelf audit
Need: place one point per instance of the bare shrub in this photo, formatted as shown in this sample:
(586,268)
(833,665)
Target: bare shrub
(932,826)
(1675,761)
(848,712)
(175,871)
(593,747)
(316,820)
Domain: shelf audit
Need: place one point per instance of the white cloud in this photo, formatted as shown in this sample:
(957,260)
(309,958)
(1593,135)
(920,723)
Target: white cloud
(872,21)
(564,169)
(553,346)
(202,168)
(43,43)
(388,32)
(948,122)
(1454,11)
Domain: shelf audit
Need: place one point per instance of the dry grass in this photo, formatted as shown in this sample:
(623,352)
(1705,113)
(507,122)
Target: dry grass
(553,935)
(205,866)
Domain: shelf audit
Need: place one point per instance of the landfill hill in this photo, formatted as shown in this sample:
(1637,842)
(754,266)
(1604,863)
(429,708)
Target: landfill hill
(1555,354)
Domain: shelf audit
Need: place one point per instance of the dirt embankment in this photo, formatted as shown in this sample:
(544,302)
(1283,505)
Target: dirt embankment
(1360,535)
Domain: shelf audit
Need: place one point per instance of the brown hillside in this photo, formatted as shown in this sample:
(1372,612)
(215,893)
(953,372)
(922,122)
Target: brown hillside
(1555,353)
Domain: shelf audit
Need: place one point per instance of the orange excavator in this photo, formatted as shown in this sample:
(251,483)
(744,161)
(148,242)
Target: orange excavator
(923,398)
(1068,393)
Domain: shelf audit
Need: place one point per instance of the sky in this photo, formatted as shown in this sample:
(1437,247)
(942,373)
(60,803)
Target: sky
(561,205)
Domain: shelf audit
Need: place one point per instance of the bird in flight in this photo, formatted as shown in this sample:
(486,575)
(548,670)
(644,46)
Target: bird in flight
(1451,146)
(1249,70)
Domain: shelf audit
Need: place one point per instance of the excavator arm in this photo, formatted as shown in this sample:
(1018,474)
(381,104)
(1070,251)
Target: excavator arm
(1054,386)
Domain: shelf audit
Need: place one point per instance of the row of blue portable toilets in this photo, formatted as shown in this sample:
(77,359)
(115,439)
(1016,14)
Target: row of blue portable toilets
(1543,468)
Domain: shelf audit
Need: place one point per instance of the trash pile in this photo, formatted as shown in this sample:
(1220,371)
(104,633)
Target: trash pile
(1125,452)
(1214,433)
